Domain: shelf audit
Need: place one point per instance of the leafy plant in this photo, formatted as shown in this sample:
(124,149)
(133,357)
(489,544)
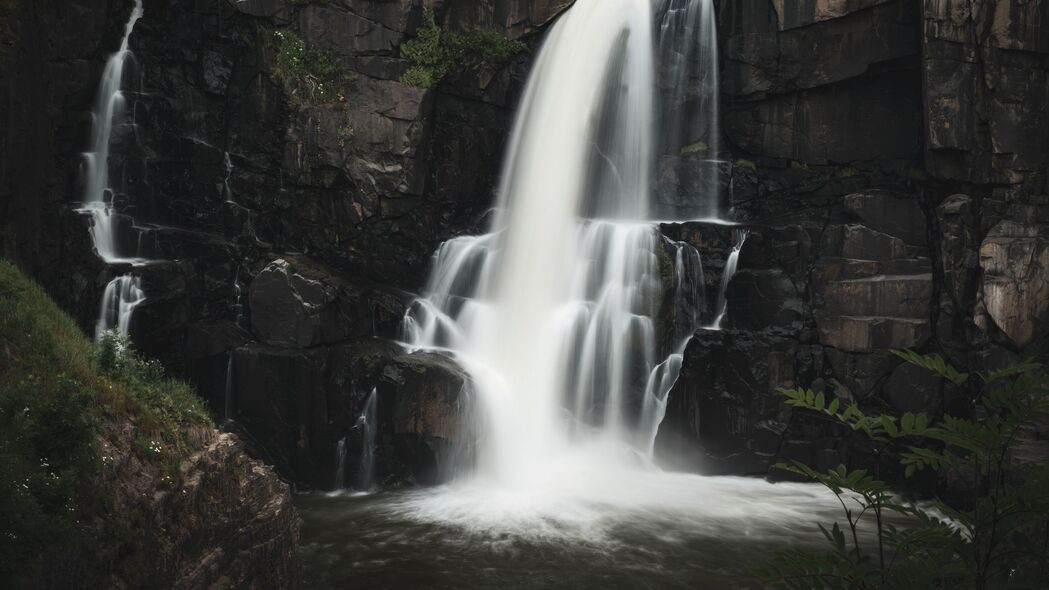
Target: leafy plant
(999,538)
(308,75)
(434,53)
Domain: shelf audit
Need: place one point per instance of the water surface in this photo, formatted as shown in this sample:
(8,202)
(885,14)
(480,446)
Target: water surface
(658,531)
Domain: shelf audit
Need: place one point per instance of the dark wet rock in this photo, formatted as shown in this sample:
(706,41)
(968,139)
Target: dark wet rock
(913,389)
(722,416)
(298,304)
(889,213)
(1014,258)
(427,399)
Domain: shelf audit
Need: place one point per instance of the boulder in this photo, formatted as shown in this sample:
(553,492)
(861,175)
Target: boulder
(426,399)
(1015,286)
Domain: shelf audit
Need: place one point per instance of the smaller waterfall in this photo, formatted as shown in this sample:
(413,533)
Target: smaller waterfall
(739,236)
(363,435)
(109,107)
(340,464)
(689,301)
(227,400)
(688,79)
(122,295)
(367,425)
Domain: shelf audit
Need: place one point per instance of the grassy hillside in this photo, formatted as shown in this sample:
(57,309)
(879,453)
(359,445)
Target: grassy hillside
(60,394)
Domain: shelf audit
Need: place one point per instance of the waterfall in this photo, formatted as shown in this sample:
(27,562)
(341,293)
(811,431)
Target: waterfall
(227,398)
(364,431)
(367,425)
(124,293)
(688,81)
(558,312)
(340,464)
(109,107)
(739,236)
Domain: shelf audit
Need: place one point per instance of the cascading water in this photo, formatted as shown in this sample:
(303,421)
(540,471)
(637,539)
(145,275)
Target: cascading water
(366,425)
(363,438)
(554,312)
(739,236)
(688,121)
(571,317)
(109,107)
(124,293)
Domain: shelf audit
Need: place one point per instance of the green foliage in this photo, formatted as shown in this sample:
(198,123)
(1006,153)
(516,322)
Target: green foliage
(57,394)
(999,540)
(307,75)
(173,405)
(748,164)
(434,53)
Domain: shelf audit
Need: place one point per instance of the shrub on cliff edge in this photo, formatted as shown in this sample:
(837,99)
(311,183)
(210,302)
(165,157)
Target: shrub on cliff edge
(58,393)
(434,53)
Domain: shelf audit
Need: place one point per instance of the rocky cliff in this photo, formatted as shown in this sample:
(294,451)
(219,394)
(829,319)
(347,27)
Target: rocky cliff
(892,177)
(114,476)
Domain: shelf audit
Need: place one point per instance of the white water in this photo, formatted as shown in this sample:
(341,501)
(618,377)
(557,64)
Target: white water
(739,237)
(558,313)
(364,431)
(109,107)
(687,66)
(366,424)
(124,293)
(340,464)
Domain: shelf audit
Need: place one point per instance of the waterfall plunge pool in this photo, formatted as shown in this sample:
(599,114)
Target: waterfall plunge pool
(595,529)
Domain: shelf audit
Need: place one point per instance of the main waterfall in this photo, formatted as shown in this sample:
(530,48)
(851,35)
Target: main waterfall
(571,316)
(560,313)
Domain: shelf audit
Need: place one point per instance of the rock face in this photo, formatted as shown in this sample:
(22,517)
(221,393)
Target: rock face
(304,305)
(894,188)
(227,521)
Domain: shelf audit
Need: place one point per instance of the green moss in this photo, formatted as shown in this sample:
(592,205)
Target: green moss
(798,165)
(57,393)
(307,75)
(698,148)
(749,164)
(433,53)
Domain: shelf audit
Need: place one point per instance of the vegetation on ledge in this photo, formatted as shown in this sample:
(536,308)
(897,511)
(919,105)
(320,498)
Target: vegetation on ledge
(308,75)
(434,53)
(59,393)
(997,537)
